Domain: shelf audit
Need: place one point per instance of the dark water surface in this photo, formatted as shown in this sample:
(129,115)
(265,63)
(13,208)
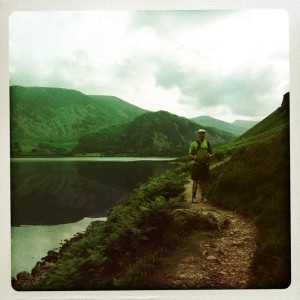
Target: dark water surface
(52,199)
(59,191)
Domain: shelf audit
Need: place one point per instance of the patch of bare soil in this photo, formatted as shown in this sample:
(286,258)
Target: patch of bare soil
(210,259)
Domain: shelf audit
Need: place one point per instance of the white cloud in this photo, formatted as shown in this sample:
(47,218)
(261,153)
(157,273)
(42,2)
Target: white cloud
(225,64)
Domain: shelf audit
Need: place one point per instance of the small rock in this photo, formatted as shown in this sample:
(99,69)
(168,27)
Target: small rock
(23,276)
(52,256)
(237,243)
(223,273)
(211,257)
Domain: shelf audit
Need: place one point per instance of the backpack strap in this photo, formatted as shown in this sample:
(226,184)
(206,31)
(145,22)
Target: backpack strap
(208,146)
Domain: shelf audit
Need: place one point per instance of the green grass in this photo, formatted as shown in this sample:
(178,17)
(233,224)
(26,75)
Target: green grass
(255,182)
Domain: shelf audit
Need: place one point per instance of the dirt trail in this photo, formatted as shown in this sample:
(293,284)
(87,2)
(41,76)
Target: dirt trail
(211,260)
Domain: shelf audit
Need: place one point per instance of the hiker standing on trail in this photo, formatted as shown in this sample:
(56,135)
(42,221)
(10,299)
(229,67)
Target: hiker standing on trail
(200,152)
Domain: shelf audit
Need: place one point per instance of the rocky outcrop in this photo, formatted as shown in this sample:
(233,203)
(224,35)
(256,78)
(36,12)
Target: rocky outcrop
(204,218)
(29,281)
(33,280)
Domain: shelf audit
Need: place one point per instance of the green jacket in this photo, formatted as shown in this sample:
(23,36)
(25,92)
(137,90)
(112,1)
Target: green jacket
(201,149)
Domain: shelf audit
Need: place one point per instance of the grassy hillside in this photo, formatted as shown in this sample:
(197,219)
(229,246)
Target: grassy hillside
(151,134)
(116,110)
(236,128)
(53,119)
(245,123)
(256,183)
(272,124)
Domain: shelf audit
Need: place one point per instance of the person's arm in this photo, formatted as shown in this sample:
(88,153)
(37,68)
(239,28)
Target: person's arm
(192,157)
(191,154)
(209,150)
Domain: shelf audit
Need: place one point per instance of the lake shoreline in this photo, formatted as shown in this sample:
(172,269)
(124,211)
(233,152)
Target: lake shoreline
(20,235)
(93,158)
(64,191)
(24,279)
(89,155)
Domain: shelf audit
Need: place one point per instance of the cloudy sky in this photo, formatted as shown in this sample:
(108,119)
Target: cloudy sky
(225,64)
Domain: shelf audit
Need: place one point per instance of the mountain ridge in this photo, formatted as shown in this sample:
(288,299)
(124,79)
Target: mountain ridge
(273,122)
(238,127)
(276,122)
(152,133)
(55,121)
(58,117)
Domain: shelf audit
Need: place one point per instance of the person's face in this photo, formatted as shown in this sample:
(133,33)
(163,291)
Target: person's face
(201,136)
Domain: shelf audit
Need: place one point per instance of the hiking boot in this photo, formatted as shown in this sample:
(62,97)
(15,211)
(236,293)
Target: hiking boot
(204,199)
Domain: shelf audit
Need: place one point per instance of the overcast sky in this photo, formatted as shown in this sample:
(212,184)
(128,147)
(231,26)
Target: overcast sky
(226,64)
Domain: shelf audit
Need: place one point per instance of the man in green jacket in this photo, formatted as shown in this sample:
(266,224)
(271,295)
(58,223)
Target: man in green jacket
(200,152)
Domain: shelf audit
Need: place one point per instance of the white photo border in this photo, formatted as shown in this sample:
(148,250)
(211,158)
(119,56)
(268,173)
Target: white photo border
(9,6)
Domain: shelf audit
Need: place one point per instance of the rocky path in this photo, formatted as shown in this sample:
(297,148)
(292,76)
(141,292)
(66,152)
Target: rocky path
(209,259)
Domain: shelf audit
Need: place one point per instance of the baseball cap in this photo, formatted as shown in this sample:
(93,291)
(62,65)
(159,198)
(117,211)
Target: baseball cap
(201,130)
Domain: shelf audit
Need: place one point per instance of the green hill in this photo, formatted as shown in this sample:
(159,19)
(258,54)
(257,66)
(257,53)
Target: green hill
(271,124)
(256,183)
(53,119)
(275,122)
(151,134)
(115,110)
(244,123)
(236,128)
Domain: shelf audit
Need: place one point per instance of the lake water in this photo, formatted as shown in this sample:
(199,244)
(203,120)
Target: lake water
(53,199)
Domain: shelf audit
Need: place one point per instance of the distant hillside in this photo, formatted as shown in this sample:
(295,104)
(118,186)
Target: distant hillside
(272,123)
(53,119)
(275,122)
(245,123)
(116,111)
(236,128)
(153,133)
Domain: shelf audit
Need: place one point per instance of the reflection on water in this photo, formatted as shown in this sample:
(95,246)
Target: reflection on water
(57,198)
(57,192)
